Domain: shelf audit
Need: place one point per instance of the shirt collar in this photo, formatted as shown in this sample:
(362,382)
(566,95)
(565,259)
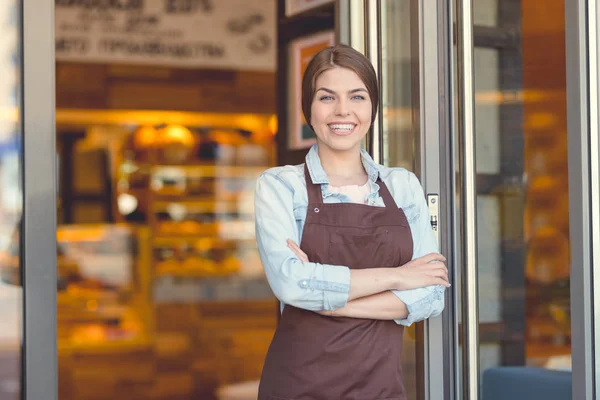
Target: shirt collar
(318,174)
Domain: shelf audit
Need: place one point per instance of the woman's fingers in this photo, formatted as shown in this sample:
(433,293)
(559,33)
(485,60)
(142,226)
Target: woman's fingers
(297,250)
(432,257)
(292,245)
(442,282)
(441,274)
(441,270)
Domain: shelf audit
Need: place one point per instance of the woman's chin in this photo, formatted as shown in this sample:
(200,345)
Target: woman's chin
(341,143)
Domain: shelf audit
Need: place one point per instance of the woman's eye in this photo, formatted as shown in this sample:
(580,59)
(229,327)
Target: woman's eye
(358,98)
(326,98)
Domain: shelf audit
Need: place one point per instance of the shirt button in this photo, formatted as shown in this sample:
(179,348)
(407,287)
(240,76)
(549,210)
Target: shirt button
(304,284)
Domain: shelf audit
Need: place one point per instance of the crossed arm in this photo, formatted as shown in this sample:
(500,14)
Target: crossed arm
(370,289)
(383,306)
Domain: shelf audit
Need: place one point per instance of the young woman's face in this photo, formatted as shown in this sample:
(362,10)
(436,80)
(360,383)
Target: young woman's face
(341,109)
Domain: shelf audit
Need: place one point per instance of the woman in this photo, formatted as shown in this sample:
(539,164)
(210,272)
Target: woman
(347,248)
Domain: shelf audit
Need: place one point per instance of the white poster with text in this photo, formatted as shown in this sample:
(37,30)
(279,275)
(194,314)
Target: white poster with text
(228,34)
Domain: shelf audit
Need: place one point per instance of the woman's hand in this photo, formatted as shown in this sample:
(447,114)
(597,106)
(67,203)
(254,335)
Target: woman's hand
(297,250)
(421,272)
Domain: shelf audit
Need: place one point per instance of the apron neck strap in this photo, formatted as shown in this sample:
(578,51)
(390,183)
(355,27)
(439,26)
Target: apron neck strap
(385,194)
(314,190)
(315,196)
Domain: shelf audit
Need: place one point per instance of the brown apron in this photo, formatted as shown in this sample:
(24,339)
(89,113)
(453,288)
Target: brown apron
(315,357)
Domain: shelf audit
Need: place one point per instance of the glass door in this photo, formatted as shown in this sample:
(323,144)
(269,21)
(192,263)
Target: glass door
(509,160)
(27,187)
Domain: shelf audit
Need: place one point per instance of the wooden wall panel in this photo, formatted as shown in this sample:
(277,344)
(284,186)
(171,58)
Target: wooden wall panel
(153,96)
(99,86)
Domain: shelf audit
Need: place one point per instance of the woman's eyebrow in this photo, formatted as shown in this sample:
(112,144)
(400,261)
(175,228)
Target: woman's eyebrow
(326,90)
(351,91)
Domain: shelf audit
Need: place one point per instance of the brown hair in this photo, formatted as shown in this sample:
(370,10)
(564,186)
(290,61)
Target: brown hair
(339,56)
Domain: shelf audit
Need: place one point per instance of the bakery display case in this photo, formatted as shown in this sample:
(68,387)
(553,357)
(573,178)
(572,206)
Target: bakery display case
(168,300)
(199,207)
(102,288)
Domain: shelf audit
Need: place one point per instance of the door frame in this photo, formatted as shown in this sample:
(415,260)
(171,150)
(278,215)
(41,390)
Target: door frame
(434,123)
(39,374)
(583,126)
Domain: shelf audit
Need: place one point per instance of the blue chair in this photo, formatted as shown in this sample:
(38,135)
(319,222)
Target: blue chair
(525,383)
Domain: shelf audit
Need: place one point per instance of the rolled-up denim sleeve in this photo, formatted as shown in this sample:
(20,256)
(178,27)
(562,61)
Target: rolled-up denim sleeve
(307,285)
(424,302)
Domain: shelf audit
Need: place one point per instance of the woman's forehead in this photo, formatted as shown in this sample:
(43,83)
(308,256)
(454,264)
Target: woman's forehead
(339,78)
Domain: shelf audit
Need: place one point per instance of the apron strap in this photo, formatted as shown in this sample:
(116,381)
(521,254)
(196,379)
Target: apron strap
(314,190)
(385,194)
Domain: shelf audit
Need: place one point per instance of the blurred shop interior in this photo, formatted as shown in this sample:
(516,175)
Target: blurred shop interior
(161,293)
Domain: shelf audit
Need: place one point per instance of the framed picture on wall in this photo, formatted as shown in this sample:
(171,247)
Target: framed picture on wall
(293,7)
(301,51)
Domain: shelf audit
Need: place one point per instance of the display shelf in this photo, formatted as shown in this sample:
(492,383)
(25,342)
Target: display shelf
(103,285)
(201,216)
(209,170)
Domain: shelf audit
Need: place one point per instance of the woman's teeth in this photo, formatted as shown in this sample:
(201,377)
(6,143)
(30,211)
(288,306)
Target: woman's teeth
(341,128)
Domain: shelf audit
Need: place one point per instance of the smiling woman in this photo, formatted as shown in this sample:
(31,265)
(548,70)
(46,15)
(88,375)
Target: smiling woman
(347,248)
(341,110)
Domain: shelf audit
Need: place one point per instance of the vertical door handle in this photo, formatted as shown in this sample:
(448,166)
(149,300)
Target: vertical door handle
(433,200)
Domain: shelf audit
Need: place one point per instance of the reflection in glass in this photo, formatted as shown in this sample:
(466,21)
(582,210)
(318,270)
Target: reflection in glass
(161,291)
(523,225)
(399,73)
(400,135)
(11,301)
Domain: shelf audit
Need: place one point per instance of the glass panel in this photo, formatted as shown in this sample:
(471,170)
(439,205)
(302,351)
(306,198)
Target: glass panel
(485,13)
(400,133)
(161,291)
(11,294)
(522,184)
(399,83)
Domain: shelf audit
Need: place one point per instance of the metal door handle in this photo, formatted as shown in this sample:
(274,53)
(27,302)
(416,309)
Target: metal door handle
(433,200)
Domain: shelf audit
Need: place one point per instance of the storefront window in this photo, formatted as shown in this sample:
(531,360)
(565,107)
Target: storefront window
(161,292)
(11,293)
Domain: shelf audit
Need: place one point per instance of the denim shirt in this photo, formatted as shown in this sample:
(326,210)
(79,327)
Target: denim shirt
(281,202)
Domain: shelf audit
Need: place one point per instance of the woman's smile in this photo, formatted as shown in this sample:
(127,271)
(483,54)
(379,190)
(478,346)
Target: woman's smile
(342,128)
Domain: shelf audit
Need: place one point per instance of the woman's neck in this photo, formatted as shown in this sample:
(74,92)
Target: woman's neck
(343,168)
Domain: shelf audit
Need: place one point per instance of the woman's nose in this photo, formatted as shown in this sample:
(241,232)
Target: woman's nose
(342,109)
